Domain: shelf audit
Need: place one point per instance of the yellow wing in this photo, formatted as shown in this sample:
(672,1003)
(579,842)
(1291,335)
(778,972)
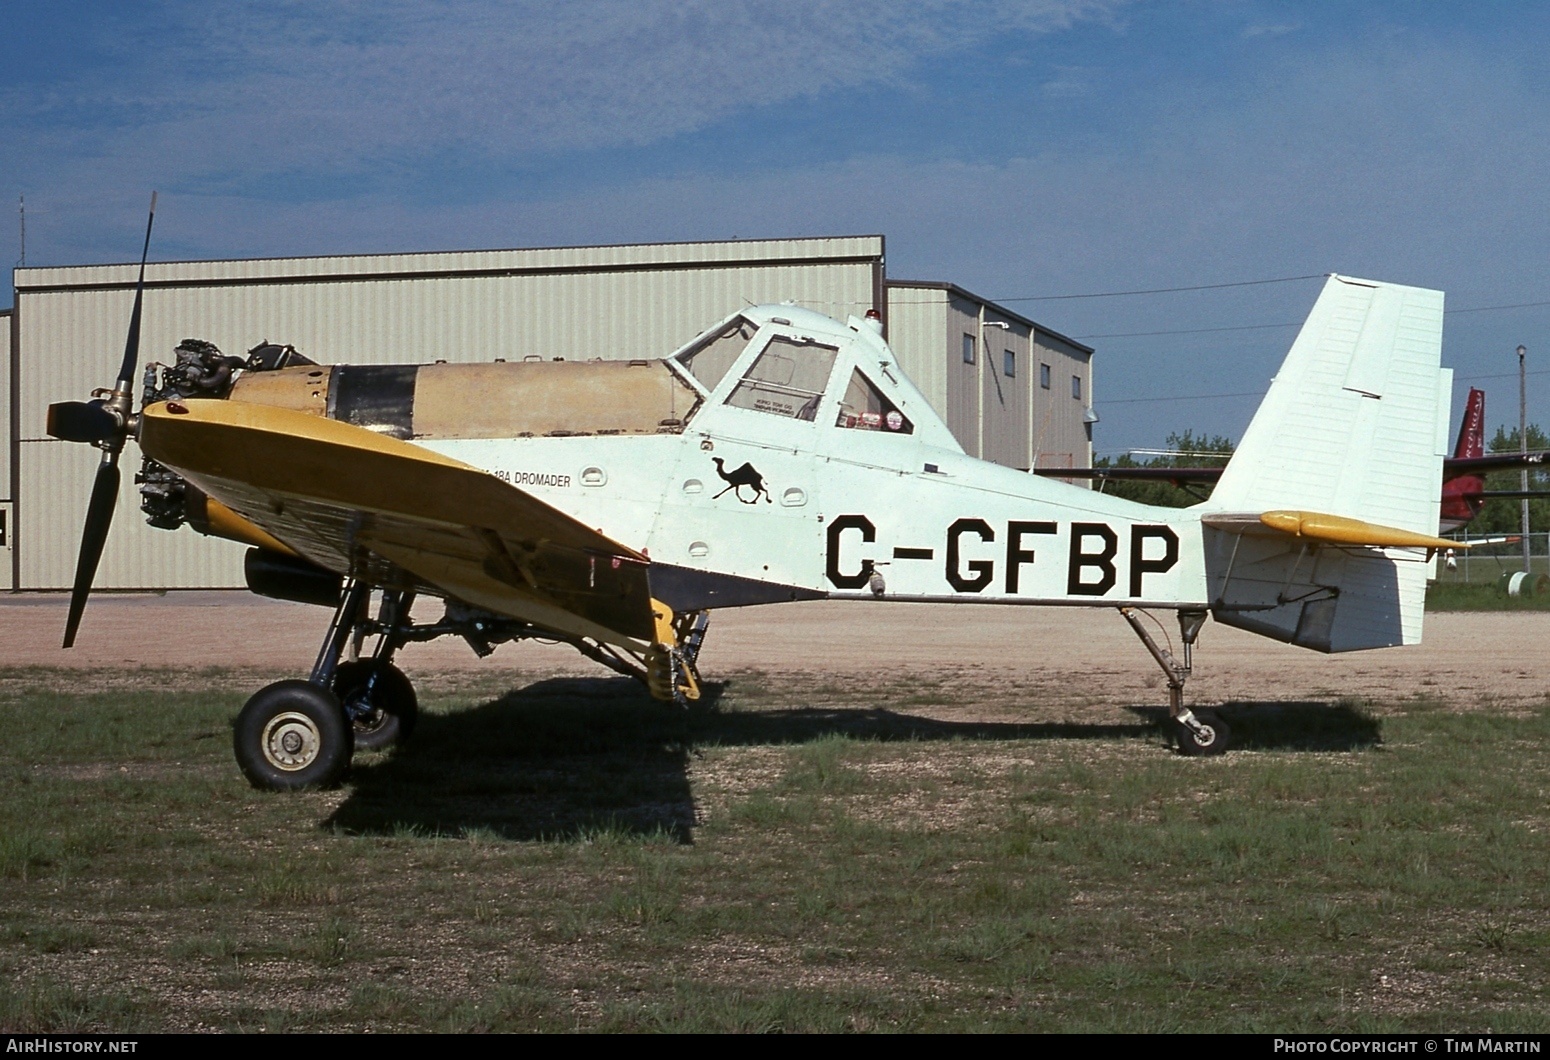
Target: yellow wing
(339,494)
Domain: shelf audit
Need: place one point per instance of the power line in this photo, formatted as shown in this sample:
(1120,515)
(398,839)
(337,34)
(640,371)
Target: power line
(1260,393)
(1187,331)
(1202,287)
(1488,308)
(1500,375)
(1179,397)
(1159,290)
(1293,324)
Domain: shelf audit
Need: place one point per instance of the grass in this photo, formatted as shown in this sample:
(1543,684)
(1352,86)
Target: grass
(801,855)
(1480,596)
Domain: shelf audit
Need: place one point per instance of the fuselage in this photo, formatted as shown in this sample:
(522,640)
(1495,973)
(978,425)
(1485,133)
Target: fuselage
(807,492)
(784,456)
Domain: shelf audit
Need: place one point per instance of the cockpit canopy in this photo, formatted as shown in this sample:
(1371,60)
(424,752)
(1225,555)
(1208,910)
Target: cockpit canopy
(787,362)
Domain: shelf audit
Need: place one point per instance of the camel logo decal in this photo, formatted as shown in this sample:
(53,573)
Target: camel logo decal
(736,480)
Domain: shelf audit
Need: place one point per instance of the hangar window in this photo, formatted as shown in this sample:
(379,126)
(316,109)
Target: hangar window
(865,408)
(1044,376)
(714,356)
(788,379)
(968,349)
(1076,387)
(1009,364)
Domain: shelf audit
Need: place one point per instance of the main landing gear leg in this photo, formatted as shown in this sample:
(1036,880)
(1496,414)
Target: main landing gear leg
(672,671)
(296,734)
(376,696)
(1196,733)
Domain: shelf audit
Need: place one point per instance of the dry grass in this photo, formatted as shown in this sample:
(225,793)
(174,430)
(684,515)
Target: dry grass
(805,853)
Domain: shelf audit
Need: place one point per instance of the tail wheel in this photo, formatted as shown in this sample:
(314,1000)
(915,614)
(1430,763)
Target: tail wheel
(292,735)
(1210,739)
(379,701)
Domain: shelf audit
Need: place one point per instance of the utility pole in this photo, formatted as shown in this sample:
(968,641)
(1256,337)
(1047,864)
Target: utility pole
(1523,449)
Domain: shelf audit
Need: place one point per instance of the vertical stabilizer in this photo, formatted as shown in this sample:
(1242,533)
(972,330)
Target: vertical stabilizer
(1462,495)
(1355,422)
(1471,441)
(1356,425)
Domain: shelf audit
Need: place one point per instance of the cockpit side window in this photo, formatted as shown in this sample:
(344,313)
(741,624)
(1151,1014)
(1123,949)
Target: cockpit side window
(865,408)
(714,356)
(788,379)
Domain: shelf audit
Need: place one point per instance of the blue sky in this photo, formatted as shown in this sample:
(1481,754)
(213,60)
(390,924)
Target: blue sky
(1020,149)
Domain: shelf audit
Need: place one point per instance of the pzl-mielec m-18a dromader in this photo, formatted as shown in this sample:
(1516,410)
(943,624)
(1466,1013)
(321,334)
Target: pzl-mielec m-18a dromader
(780,456)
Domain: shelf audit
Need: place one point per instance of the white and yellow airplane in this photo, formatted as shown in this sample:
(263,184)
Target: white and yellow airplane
(779,456)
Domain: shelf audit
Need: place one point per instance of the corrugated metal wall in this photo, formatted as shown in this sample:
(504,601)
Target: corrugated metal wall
(1004,398)
(1059,435)
(608,302)
(1008,419)
(7,524)
(5,408)
(965,384)
(915,328)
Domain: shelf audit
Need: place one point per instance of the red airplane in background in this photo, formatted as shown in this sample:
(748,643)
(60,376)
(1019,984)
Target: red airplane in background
(1463,482)
(1463,473)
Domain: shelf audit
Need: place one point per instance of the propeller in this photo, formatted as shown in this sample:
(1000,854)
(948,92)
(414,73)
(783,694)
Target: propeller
(106,422)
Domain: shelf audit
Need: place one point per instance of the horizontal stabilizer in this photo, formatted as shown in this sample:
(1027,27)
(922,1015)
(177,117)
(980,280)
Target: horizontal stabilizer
(1327,529)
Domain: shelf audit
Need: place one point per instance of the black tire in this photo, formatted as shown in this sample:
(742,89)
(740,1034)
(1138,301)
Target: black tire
(292,735)
(1213,741)
(382,712)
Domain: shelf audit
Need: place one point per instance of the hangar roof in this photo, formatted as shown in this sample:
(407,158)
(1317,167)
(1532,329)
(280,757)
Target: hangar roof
(998,309)
(354,267)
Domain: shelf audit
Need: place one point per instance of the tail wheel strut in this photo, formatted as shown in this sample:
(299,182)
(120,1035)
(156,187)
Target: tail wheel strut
(1197,733)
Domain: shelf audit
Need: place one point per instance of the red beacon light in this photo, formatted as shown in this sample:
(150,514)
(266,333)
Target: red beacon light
(874,320)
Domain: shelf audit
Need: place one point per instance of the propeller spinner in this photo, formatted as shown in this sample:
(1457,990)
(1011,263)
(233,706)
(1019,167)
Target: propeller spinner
(106,422)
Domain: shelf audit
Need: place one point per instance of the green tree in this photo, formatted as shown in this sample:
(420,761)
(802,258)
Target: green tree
(1188,451)
(1501,515)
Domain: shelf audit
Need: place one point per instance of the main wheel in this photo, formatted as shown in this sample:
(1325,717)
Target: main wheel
(292,735)
(379,700)
(1210,740)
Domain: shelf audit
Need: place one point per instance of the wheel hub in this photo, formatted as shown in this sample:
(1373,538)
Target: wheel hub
(291,741)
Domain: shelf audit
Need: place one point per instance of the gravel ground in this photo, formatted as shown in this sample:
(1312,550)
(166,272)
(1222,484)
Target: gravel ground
(1487,659)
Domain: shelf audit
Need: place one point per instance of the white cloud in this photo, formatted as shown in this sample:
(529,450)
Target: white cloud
(334,86)
(1069,82)
(1271,30)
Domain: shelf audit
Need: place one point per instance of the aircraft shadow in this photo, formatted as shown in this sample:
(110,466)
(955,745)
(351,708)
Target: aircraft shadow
(802,724)
(569,758)
(1289,725)
(559,759)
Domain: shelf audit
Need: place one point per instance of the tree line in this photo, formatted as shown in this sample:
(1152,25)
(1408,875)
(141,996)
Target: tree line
(1499,516)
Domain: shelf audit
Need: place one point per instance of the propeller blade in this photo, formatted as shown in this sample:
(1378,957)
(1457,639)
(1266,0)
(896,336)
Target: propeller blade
(126,373)
(81,421)
(94,535)
(90,421)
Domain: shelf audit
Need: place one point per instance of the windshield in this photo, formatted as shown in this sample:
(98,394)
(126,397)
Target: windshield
(788,379)
(714,355)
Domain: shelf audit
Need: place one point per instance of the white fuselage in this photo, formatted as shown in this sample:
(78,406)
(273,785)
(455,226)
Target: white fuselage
(808,503)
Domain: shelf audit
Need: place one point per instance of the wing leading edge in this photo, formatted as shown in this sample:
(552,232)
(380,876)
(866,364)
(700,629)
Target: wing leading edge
(338,494)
